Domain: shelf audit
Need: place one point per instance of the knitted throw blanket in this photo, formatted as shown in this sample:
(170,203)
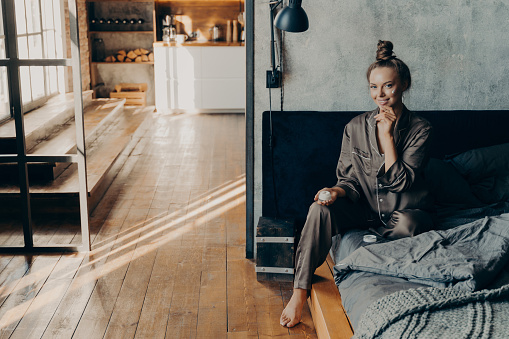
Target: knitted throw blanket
(438,313)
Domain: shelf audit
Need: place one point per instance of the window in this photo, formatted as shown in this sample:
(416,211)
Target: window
(40,35)
(4,92)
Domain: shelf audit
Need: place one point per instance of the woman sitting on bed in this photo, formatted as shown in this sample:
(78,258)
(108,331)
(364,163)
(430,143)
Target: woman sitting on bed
(380,179)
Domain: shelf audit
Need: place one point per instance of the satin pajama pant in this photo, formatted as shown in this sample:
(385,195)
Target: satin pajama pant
(323,222)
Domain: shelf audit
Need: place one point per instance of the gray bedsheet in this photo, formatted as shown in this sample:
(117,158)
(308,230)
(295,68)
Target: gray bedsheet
(468,256)
(360,288)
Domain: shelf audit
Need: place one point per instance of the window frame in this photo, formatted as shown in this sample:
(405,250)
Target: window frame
(31,104)
(3,71)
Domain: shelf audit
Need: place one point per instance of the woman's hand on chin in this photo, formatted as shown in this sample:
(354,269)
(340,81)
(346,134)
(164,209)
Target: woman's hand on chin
(385,121)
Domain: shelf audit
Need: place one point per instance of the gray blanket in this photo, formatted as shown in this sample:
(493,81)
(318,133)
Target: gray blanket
(468,257)
(438,313)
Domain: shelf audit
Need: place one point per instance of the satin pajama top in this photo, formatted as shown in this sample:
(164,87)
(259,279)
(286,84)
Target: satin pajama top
(361,171)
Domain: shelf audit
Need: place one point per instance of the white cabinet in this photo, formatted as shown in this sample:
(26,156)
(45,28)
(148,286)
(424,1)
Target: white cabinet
(200,78)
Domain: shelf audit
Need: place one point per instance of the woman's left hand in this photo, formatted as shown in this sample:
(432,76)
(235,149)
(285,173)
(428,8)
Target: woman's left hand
(385,121)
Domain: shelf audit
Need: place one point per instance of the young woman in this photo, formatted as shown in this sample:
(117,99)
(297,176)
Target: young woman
(380,184)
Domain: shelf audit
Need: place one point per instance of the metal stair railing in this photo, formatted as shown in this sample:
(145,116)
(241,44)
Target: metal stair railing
(13,63)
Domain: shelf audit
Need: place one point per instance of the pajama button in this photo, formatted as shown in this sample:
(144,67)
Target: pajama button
(379,185)
(381,200)
(383,215)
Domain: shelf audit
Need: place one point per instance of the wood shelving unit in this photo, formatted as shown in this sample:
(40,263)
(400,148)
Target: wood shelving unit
(123,63)
(145,32)
(120,0)
(120,37)
(148,35)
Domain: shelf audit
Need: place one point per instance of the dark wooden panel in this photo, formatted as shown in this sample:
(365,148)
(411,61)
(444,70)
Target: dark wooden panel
(275,254)
(275,227)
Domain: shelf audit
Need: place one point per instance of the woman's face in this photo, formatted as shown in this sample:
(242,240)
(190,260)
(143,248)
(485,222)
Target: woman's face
(385,87)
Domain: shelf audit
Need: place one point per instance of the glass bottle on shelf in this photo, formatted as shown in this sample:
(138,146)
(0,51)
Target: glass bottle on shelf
(166,29)
(166,34)
(98,52)
(173,28)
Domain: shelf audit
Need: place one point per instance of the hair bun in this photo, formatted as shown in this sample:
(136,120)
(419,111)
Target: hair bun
(384,50)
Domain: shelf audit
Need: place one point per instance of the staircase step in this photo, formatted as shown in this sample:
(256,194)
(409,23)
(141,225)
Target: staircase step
(98,115)
(105,157)
(41,123)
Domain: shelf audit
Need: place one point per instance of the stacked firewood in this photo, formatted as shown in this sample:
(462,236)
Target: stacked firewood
(137,55)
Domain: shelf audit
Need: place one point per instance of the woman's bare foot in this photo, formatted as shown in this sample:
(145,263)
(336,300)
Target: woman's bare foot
(292,313)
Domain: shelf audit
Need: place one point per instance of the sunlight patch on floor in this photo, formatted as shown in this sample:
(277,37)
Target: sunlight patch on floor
(151,235)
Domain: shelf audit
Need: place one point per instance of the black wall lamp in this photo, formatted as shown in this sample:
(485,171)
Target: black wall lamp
(291,18)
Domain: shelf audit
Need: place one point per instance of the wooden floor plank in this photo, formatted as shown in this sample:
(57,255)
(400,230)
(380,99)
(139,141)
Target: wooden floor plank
(72,307)
(242,335)
(242,315)
(11,232)
(126,313)
(212,313)
(130,300)
(98,311)
(4,262)
(11,275)
(38,316)
(183,317)
(156,306)
(185,300)
(23,294)
(168,252)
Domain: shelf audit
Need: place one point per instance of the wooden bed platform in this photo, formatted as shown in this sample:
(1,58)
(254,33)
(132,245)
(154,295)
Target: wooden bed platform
(329,317)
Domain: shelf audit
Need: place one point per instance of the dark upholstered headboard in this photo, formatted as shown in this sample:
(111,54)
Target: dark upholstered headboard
(306,147)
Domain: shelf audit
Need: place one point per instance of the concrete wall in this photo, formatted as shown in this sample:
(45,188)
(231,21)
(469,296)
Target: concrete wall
(457,52)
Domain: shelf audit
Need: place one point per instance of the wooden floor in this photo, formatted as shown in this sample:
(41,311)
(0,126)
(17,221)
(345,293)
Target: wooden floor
(168,251)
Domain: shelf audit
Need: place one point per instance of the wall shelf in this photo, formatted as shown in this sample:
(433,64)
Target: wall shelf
(145,32)
(120,1)
(123,63)
(117,37)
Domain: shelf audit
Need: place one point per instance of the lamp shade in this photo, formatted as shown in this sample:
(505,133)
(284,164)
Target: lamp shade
(292,18)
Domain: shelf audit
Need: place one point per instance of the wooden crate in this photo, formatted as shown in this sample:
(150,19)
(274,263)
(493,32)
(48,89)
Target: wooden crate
(275,249)
(135,94)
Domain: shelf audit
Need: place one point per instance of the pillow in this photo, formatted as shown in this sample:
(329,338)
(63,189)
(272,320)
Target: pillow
(479,163)
(487,171)
(448,186)
(492,189)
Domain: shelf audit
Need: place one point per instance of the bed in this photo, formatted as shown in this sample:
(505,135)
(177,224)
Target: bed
(382,299)
(394,288)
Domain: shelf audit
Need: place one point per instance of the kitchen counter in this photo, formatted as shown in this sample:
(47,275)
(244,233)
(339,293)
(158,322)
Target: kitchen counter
(200,77)
(198,43)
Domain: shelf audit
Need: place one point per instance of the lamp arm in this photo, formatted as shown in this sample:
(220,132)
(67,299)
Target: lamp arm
(272,75)
(273,6)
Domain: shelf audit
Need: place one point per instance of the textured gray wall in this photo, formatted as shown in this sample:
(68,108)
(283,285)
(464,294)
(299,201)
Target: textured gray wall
(457,51)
